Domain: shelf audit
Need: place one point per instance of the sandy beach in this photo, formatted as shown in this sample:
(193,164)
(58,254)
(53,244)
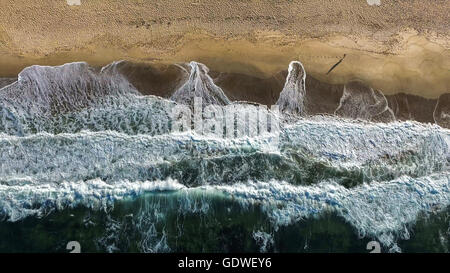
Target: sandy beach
(399,46)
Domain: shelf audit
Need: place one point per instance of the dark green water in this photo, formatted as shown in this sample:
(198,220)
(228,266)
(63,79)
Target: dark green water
(164,222)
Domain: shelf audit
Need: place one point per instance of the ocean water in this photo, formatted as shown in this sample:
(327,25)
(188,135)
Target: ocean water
(86,157)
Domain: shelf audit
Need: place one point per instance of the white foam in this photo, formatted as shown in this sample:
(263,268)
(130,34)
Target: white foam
(200,85)
(354,143)
(384,211)
(20,201)
(81,162)
(291,100)
(73,97)
(360,101)
(375,149)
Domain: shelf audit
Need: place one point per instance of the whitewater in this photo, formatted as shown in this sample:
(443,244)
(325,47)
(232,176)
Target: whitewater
(74,136)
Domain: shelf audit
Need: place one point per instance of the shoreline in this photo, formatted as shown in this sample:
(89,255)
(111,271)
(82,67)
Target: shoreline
(320,97)
(419,68)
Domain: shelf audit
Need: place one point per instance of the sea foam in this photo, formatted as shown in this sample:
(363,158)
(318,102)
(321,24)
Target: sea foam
(77,136)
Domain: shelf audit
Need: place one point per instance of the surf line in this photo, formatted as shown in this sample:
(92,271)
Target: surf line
(336,64)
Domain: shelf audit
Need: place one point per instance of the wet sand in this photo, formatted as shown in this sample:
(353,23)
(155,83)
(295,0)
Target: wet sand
(6,81)
(320,98)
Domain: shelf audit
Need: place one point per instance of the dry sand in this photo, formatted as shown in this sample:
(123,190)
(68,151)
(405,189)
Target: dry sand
(400,46)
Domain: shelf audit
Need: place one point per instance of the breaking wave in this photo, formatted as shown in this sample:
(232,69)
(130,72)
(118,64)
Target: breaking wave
(75,136)
(75,97)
